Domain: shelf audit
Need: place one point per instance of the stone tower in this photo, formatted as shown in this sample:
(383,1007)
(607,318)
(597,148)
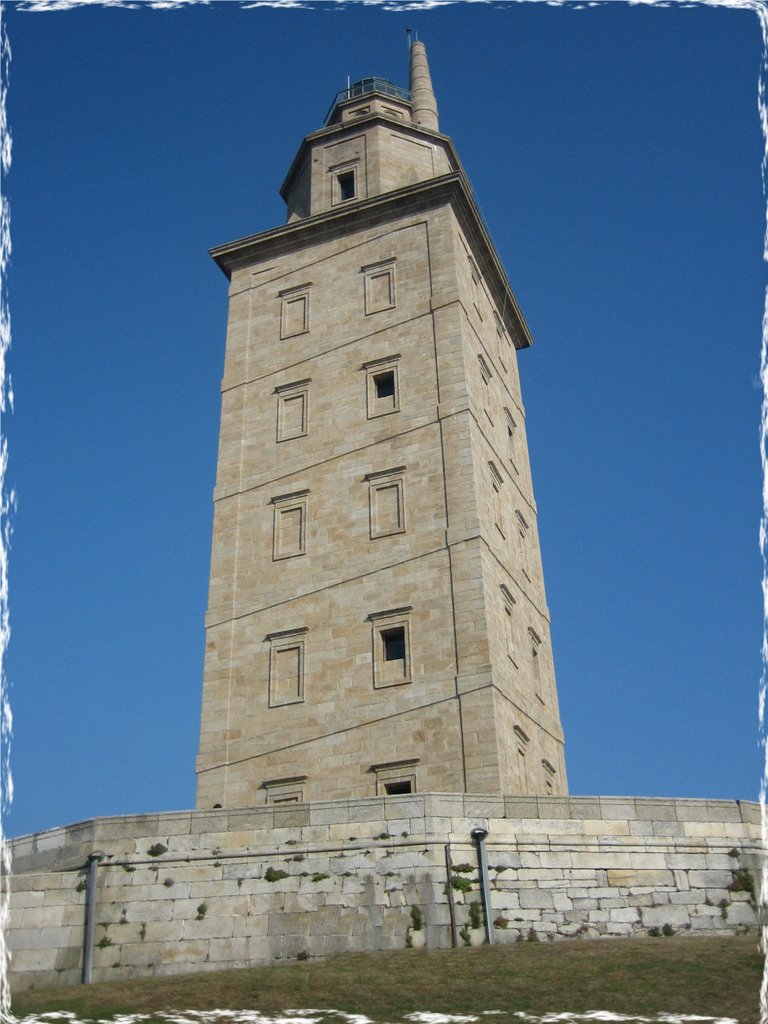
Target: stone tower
(377,620)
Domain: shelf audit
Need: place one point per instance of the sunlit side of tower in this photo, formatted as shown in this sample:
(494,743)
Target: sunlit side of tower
(377,620)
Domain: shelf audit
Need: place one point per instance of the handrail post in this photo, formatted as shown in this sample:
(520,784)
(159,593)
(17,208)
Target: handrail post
(478,834)
(90,914)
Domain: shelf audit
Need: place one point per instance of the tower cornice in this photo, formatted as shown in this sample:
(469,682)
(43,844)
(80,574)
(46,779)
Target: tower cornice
(448,189)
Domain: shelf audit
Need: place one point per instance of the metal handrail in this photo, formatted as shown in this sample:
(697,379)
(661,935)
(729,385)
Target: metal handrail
(366,85)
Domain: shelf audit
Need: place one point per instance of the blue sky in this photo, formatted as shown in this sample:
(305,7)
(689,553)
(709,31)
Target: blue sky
(615,153)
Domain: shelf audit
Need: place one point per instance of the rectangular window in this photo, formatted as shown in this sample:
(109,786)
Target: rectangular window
(522,741)
(292,409)
(395,778)
(379,286)
(535,641)
(485,376)
(549,775)
(285,791)
(386,502)
(346,181)
(398,787)
(511,426)
(294,312)
(289,534)
(286,667)
(508,604)
(522,534)
(498,511)
(391,647)
(382,386)
(394,644)
(344,185)
(502,341)
(476,287)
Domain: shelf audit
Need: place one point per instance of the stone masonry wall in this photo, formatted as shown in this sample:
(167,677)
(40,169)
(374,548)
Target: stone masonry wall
(203,890)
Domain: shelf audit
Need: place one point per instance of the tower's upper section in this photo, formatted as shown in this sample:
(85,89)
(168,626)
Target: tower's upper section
(377,138)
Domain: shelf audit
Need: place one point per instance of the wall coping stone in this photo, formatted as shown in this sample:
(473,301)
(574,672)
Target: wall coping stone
(551,822)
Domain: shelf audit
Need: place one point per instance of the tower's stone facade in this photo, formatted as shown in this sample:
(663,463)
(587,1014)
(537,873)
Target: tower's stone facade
(377,620)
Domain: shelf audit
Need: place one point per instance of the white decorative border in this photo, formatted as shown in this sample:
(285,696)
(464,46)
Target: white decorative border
(7,506)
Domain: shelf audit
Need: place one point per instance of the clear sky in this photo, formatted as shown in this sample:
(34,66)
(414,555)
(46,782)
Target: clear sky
(615,153)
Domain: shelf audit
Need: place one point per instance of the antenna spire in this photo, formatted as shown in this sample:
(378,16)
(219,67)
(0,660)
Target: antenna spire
(422,94)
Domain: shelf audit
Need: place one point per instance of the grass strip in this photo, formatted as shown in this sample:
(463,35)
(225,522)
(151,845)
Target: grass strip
(686,975)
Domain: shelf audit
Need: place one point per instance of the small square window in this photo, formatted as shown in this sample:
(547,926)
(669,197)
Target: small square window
(347,188)
(535,641)
(508,603)
(344,183)
(496,499)
(398,787)
(391,647)
(394,643)
(285,791)
(395,778)
(382,386)
(522,539)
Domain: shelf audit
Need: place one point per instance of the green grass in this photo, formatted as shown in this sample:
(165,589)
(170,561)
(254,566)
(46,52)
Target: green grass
(707,976)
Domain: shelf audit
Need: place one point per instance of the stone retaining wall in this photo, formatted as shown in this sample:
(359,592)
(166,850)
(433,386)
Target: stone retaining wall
(203,890)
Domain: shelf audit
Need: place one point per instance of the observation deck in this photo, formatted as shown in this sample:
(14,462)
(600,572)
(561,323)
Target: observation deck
(362,88)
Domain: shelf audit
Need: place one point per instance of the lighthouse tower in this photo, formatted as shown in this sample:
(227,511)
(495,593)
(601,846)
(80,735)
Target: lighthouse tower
(377,620)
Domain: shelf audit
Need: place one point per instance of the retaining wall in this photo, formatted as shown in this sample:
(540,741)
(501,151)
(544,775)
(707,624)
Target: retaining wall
(203,890)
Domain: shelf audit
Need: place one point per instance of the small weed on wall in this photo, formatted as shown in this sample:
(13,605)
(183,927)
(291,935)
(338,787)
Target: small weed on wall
(274,874)
(415,937)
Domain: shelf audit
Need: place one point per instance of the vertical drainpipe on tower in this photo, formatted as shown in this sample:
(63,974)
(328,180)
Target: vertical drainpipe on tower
(90,914)
(478,834)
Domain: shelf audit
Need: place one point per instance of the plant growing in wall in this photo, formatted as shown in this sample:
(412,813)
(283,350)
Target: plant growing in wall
(274,874)
(475,915)
(414,936)
(743,882)
(157,850)
(461,884)
(202,910)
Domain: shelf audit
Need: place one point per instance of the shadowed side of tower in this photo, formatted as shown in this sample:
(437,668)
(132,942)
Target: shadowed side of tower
(377,620)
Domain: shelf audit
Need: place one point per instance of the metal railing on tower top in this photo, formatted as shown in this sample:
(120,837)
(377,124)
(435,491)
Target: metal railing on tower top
(364,86)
